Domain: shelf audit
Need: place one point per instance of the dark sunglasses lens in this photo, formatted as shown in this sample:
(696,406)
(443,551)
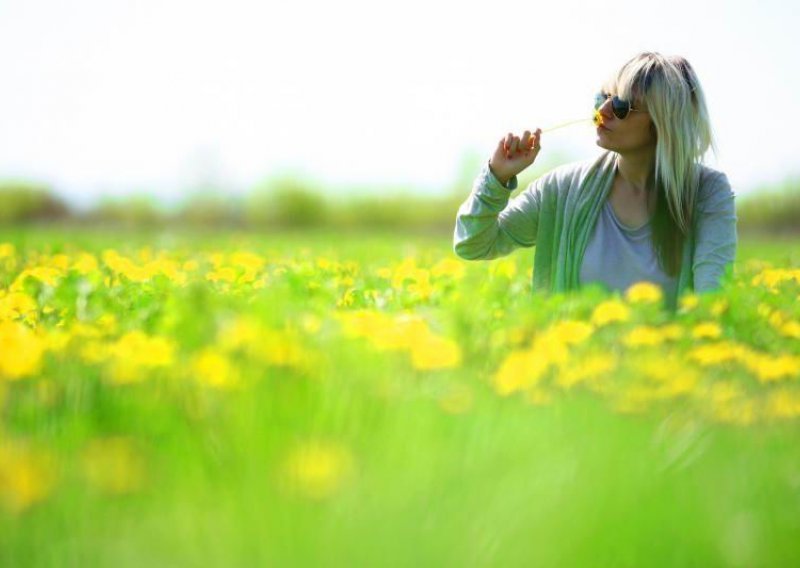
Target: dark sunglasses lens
(620,107)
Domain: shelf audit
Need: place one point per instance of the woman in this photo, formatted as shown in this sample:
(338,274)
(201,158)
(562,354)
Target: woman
(645,209)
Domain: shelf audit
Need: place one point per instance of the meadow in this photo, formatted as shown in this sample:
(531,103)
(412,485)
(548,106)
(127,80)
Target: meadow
(370,399)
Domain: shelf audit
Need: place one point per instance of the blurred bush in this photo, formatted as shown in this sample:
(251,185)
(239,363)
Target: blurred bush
(293,202)
(209,209)
(133,211)
(771,210)
(286,202)
(22,202)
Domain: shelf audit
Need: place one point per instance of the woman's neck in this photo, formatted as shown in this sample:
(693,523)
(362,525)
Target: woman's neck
(636,168)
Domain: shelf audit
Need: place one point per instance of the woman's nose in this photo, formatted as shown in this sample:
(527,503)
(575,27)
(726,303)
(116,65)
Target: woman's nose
(605,108)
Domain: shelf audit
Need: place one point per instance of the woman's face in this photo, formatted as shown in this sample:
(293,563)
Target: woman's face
(634,133)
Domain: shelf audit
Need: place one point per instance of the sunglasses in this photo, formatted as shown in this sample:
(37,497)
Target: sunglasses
(619,107)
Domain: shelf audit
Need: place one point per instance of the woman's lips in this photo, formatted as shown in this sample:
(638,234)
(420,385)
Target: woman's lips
(601,127)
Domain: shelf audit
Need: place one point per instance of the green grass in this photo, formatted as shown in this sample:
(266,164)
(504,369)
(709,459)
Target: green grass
(505,482)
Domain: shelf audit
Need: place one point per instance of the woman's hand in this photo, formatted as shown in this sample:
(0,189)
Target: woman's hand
(514,155)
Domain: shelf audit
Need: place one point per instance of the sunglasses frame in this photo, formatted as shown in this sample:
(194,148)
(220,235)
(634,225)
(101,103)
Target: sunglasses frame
(616,102)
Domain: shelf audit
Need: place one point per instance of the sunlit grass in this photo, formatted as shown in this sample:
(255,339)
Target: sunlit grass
(300,399)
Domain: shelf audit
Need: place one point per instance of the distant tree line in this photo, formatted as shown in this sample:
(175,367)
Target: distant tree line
(289,204)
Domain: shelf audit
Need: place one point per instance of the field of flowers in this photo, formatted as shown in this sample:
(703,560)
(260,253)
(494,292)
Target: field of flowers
(375,400)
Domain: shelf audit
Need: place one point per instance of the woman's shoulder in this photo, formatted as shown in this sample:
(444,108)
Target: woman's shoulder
(710,177)
(713,182)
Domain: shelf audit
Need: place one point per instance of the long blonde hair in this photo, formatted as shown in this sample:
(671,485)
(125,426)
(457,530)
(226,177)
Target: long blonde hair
(674,98)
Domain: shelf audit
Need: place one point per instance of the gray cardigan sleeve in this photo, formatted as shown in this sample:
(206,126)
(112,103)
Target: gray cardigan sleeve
(716,239)
(488,225)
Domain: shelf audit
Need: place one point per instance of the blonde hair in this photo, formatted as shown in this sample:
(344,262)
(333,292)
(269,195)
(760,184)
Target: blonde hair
(674,99)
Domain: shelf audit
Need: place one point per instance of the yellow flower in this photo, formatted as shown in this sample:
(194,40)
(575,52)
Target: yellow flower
(768,368)
(597,118)
(449,267)
(433,352)
(17,305)
(688,302)
(706,330)
(716,353)
(586,369)
(26,476)
(506,267)
(317,469)
(783,403)
(610,311)
(214,369)
(790,329)
(672,331)
(520,370)
(643,335)
(570,332)
(85,264)
(136,352)
(21,351)
(644,292)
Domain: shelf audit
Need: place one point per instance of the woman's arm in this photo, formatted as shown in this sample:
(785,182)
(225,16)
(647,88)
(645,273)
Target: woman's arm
(488,225)
(716,238)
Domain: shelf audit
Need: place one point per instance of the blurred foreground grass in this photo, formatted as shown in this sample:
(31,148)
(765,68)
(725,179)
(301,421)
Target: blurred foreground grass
(317,398)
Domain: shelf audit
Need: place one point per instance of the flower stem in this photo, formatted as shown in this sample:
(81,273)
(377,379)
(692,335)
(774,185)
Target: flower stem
(566,124)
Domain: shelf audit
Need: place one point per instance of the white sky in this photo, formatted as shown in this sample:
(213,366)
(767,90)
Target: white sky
(110,97)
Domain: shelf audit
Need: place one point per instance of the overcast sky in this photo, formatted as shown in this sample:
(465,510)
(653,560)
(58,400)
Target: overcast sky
(109,97)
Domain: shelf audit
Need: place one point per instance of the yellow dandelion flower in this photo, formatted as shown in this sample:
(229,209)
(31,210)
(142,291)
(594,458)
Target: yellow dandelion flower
(505,267)
(16,305)
(213,368)
(571,332)
(688,302)
(790,329)
(706,330)
(769,368)
(551,348)
(26,476)
(643,335)
(610,311)
(518,371)
(644,292)
(586,369)
(449,267)
(672,331)
(431,351)
(85,264)
(317,469)
(783,403)
(715,353)
(310,323)
(135,353)
(21,351)
(222,274)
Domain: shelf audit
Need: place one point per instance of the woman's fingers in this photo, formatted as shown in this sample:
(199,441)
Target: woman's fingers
(514,144)
(525,143)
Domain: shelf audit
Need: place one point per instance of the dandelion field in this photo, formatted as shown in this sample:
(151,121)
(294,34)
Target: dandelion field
(318,399)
